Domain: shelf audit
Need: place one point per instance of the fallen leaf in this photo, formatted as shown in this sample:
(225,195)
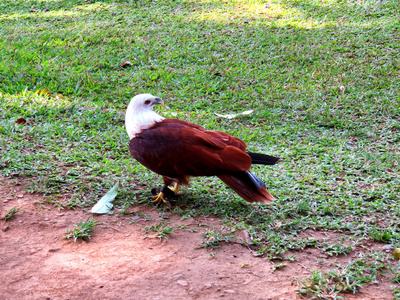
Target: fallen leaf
(231,116)
(20,121)
(104,205)
(126,64)
(44,92)
(388,247)
(396,253)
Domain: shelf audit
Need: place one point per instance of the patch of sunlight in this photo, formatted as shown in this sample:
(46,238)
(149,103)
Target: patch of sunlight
(382,23)
(259,12)
(39,15)
(344,22)
(95,6)
(250,11)
(28,97)
(303,23)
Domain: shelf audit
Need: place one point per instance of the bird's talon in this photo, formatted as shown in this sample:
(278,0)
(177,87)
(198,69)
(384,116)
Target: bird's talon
(160,198)
(175,189)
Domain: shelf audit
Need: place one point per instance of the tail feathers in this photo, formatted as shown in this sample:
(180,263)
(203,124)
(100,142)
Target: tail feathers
(248,186)
(257,181)
(262,159)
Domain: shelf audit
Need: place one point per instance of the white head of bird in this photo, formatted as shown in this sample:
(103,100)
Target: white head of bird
(140,115)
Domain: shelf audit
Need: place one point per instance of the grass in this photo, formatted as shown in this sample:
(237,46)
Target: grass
(322,76)
(213,238)
(163,230)
(10,213)
(328,285)
(83,230)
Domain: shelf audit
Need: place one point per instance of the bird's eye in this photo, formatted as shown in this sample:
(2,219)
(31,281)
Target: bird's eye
(147,102)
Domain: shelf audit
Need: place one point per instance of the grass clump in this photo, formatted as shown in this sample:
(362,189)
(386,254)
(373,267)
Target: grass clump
(213,238)
(11,213)
(83,230)
(163,230)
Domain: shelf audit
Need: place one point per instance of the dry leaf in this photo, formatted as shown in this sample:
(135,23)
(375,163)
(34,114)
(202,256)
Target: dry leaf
(44,92)
(20,121)
(126,64)
(105,203)
(59,96)
(231,116)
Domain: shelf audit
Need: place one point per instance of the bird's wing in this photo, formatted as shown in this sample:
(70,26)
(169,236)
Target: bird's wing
(212,138)
(176,148)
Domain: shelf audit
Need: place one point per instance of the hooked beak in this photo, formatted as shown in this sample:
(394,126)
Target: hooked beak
(159,101)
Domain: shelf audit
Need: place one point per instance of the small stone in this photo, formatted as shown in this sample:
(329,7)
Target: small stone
(135,218)
(178,275)
(5,201)
(388,247)
(182,282)
(5,228)
(46,219)
(60,214)
(229,291)
(20,196)
(33,251)
(54,250)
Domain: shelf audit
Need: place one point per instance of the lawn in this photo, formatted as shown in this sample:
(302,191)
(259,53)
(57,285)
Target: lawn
(322,76)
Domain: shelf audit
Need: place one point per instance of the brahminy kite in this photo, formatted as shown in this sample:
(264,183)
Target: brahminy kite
(178,150)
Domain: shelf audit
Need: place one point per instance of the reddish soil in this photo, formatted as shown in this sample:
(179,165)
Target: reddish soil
(123,262)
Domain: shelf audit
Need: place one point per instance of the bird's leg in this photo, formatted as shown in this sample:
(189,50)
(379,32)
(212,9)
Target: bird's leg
(160,198)
(166,192)
(175,189)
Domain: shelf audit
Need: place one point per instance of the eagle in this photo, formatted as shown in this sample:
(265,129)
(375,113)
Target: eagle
(178,150)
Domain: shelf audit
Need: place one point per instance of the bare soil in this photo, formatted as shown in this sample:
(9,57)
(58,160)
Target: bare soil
(123,262)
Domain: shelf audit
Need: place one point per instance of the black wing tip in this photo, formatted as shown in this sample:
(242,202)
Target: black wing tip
(263,159)
(257,181)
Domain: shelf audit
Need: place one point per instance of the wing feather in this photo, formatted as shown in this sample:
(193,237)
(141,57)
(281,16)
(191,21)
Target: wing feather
(176,148)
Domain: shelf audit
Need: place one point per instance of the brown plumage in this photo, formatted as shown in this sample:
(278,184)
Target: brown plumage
(178,150)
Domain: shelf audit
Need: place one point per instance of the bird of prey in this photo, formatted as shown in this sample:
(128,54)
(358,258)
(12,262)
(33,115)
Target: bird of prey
(178,150)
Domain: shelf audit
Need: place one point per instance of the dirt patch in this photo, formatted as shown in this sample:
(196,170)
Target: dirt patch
(123,262)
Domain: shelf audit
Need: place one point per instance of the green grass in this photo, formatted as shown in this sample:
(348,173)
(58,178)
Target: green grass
(163,230)
(10,213)
(83,230)
(322,76)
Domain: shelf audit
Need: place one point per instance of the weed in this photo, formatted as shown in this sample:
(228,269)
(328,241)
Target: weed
(10,213)
(83,230)
(330,284)
(163,230)
(278,266)
(336,248)
(213,239)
